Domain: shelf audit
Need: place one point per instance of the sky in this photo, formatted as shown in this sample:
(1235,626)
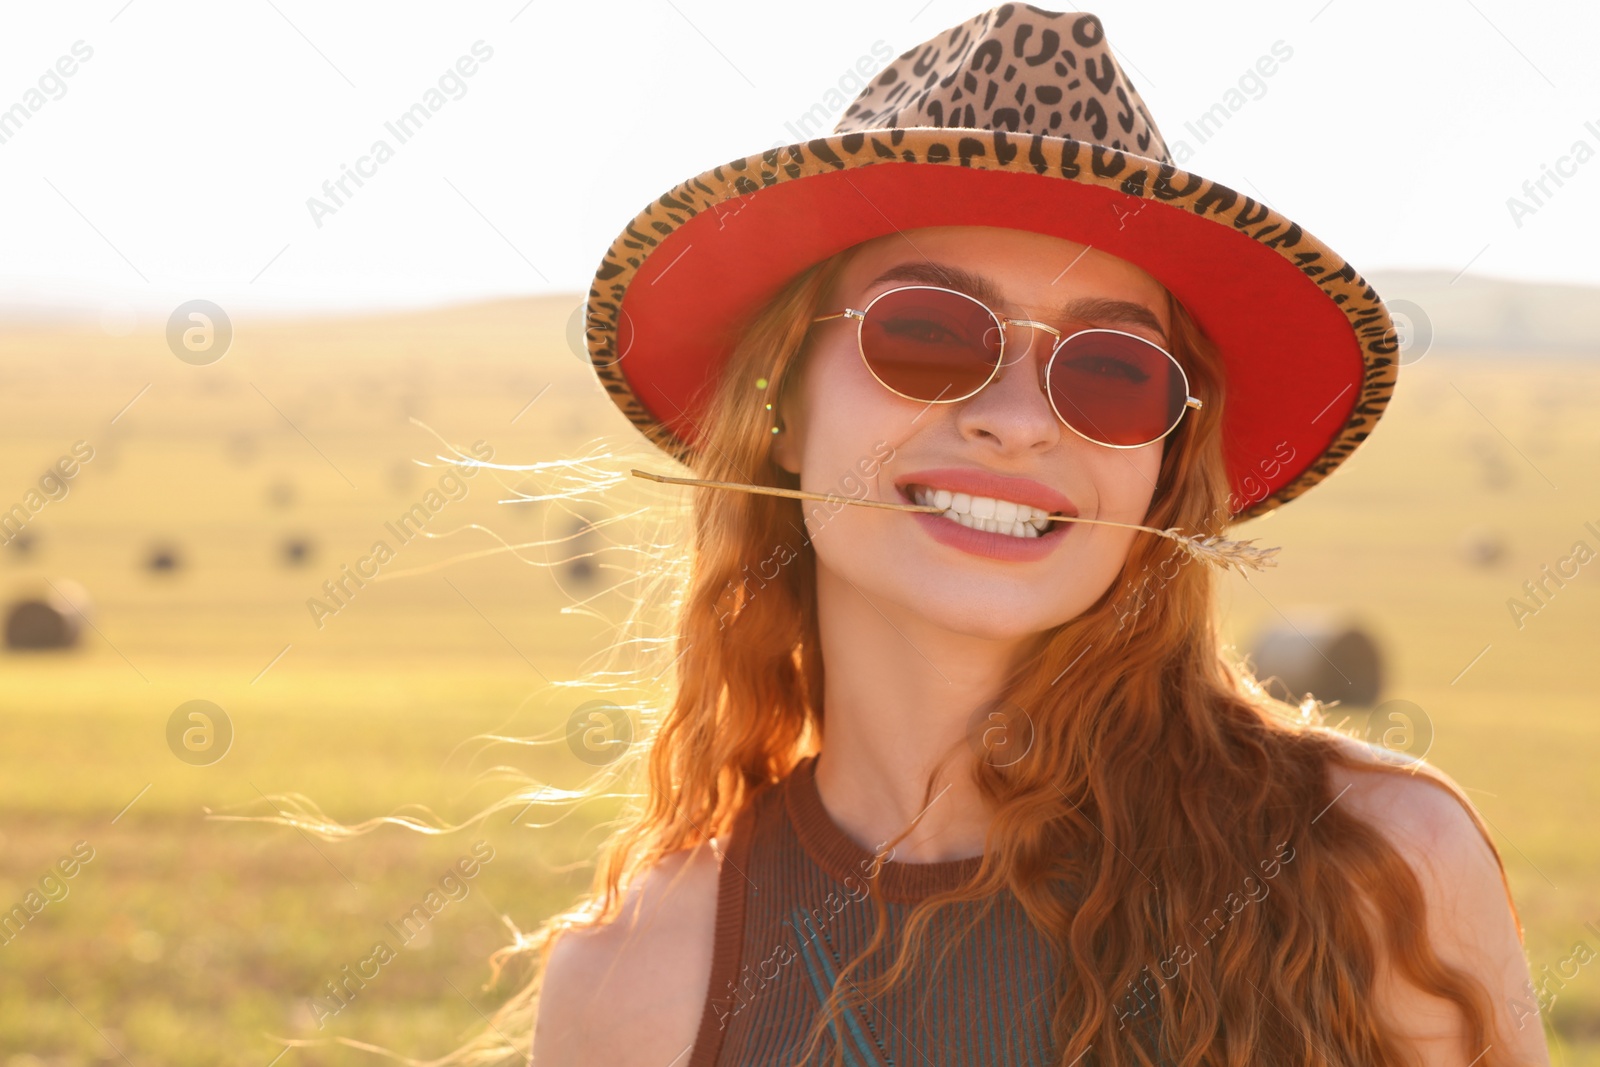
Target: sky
(186,153)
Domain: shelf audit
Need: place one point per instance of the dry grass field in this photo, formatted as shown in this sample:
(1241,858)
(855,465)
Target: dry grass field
(186,940)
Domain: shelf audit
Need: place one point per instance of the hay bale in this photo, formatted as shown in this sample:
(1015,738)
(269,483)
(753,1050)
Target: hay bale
(402,477)
(1482,547)
(297,551)
(1494,468)
(413,403)
(23,544)
(1498,475)
(281,495)
(243,449)
(48,619)
(38,624)
(580,566)
(163,559)
(108,452)
(1328,655)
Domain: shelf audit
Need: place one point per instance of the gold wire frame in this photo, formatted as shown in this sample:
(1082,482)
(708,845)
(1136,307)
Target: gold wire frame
(1000,325)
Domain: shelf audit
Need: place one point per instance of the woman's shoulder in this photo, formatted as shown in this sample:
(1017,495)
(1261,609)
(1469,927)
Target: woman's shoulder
(1419,810)
(1417,806)
(1470,921)
(632,991)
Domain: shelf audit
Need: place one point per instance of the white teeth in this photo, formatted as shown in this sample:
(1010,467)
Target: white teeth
(985,513)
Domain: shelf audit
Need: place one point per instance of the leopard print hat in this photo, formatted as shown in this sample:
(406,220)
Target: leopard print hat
(1022,118)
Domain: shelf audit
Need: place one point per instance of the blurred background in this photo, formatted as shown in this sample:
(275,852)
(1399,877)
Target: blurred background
(183,511)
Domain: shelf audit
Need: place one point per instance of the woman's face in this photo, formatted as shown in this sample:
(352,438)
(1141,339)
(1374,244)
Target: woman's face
(841,423)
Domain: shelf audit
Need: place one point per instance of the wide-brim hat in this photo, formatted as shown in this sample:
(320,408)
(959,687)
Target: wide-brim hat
(1019,118)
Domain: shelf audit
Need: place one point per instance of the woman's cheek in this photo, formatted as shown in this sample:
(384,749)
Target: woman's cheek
(1126,484)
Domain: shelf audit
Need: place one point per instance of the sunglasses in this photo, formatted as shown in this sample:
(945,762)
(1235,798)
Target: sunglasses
(940,346)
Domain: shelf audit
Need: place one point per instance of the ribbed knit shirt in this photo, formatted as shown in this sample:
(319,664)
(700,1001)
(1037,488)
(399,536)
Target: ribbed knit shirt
(793,910)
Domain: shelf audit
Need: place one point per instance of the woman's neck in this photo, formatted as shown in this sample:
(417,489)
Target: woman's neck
(901,696)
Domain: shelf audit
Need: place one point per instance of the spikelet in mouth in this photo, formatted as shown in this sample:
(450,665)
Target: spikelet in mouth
(1213,549)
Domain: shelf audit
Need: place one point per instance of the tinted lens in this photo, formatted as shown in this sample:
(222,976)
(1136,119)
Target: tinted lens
(1116,388)
(930,344)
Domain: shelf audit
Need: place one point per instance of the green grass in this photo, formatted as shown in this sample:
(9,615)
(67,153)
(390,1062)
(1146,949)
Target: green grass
(195,941)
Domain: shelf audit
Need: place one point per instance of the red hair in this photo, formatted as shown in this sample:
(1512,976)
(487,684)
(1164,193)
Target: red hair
(1157,785)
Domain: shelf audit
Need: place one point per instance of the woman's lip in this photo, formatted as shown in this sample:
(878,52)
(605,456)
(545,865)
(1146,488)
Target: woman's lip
(976,482)
(988,545)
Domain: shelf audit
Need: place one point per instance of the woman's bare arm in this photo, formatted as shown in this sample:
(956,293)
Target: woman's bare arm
(1469,920)
(631,993)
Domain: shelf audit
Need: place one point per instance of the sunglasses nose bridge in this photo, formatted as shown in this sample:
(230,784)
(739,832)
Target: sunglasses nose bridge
(1035,327)
(1036,324)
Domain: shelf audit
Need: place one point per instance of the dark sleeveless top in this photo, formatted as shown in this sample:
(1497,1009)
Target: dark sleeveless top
(792,910)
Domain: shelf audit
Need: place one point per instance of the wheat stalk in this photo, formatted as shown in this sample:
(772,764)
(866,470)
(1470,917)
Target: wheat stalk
(1212,549)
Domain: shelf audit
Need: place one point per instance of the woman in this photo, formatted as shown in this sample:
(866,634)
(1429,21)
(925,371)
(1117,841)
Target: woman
(979,786)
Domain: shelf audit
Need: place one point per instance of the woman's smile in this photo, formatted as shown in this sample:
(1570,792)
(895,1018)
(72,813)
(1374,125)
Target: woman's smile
(986,514)
(1002,546)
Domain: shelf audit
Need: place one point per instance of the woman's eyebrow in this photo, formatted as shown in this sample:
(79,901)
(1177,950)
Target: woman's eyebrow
(1100,311)
(927,272)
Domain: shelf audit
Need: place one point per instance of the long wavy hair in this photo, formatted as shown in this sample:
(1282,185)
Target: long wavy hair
(1159,788)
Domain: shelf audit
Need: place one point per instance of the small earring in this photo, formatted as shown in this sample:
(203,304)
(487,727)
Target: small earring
(762,384)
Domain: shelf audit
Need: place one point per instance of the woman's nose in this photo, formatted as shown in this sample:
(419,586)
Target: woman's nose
(1013,407)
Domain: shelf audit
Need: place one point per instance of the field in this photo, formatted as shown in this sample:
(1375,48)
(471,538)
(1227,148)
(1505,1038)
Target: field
(193,940)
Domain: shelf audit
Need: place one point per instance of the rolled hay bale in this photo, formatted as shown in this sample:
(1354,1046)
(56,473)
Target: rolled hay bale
(281,495)
(1498,475)
(1482,547)
(48,618)
(163,558)
(1494,469)
(1327,654)
(243,449)
(403,477)
(108,451)
(297,551)
(413,404)
(22,545)
(523,502)
(39,624)
(579,546)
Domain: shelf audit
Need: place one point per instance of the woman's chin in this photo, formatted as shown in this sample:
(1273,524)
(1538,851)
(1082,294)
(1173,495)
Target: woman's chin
(988,607)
